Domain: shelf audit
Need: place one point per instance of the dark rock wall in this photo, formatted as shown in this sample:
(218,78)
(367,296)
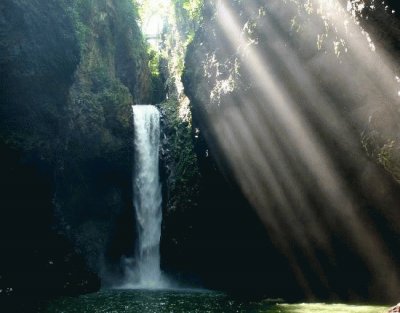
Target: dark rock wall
(213,57)
(94,176)
(180,185)
(33,78)
(70,70)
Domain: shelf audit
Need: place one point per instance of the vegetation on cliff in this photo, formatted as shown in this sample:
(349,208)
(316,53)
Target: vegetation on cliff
(70,70)
(287,95)
(112,75)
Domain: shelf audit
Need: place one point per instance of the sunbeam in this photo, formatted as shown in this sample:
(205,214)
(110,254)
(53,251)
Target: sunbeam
(290,145)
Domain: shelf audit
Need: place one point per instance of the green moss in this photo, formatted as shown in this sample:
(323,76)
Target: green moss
(180,157)
(79,11)
(157,80)
(113,74)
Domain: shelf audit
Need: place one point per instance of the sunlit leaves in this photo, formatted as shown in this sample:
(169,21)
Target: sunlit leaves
(193,7)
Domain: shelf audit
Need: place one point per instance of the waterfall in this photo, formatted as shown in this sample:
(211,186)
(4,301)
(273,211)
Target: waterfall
(147,197)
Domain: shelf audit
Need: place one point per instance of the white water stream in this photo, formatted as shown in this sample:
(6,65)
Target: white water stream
(147,198)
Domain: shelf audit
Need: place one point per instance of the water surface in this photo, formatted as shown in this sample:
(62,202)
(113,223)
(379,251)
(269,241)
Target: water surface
(141,301)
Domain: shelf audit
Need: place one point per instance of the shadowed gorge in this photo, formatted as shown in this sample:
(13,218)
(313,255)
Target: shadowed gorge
(262,173)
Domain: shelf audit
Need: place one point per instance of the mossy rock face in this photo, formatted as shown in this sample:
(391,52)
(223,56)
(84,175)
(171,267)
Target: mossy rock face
(95,177)
(113,74)
(39,54)
(70,71)
(180,181)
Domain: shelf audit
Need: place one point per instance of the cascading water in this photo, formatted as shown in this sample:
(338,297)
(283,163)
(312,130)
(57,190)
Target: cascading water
(147,198)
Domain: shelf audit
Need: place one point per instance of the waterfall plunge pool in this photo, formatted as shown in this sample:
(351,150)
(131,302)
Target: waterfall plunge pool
(146,301)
